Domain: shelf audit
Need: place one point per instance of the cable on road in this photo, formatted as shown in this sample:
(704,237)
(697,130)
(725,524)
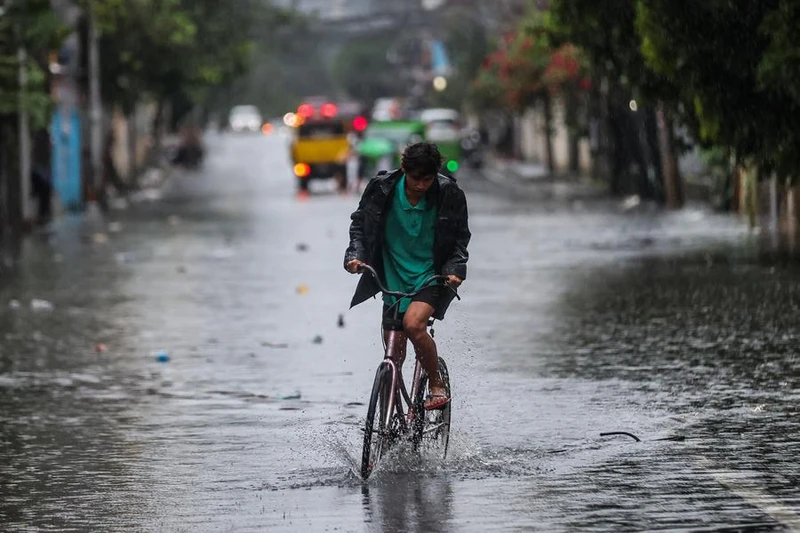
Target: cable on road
(675,438)
(631,435)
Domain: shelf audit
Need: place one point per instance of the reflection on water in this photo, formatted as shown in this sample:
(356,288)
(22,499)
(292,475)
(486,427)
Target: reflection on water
(408,502)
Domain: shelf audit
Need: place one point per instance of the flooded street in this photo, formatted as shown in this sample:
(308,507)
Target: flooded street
(577,318)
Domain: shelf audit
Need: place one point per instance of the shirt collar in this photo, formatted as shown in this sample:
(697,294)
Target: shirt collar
(404,203)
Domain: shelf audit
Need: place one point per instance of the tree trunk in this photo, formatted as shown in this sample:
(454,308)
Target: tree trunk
(548,129)
(791,218)
(133,156)
(669,164)
(5,172)
(749,193)
(10,188)
(158,126)
(571,110)
(600,138)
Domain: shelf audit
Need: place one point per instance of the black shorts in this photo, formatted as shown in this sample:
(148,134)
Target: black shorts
(430,295)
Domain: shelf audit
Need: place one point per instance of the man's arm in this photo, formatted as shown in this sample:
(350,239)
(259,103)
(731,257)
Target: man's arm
(356,249)
(456,264)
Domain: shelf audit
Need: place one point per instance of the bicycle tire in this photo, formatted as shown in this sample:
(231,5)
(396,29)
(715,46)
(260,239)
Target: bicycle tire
(439,418)
(379,397)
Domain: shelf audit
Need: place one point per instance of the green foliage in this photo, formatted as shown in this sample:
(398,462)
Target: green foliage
(31,25)
(606,32)
(164,48)
(363,70)
(528,64)
(780,63)
(727,59)
(288,63)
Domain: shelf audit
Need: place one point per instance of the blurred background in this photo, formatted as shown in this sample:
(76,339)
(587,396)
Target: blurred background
(176,181)
(566,90)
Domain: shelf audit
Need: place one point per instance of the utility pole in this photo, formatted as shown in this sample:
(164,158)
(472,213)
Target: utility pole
(24,142)
(95,109)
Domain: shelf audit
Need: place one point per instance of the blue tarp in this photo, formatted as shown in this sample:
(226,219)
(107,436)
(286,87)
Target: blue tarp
(66,138)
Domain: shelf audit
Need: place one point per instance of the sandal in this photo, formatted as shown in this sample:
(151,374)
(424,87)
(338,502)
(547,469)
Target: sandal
(436,401)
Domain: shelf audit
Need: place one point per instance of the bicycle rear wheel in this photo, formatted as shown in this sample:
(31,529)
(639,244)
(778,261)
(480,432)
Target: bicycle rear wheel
(432,428)
(375,432)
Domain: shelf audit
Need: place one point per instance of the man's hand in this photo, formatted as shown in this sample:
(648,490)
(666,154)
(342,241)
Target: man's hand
(454,281)
(352,266)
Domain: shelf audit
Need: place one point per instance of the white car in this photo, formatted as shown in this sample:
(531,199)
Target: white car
(245,118)
(441,116)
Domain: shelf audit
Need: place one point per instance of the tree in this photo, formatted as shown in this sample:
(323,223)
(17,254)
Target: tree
(734,65)
(287,64)
(163,49)
(526,70)
(33,27)
(605,30)
(363,71)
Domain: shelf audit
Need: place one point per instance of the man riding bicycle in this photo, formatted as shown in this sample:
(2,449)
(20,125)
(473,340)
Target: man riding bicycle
(410,224)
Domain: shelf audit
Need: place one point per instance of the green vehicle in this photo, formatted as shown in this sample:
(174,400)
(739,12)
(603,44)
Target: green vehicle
(443,127)
(384,141)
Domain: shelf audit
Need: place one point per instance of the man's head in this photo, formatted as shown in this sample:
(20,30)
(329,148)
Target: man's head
(421,163)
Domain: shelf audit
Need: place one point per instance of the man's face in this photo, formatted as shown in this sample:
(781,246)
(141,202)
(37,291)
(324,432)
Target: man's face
(417,184)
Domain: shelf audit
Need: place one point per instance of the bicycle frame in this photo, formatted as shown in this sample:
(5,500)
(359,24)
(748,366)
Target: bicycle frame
(395,364)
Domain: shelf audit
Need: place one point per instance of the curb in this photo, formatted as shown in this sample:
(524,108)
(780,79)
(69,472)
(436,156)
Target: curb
(545,188)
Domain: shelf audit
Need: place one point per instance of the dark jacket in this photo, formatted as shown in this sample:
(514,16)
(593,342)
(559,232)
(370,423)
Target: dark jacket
(369,221)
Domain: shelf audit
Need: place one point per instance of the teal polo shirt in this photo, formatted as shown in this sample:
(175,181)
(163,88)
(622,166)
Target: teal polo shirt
(408,244)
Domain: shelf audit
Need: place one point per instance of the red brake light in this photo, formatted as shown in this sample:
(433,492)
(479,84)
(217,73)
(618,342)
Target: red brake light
(360,123)
(329,110)
(302,170)
(306,110)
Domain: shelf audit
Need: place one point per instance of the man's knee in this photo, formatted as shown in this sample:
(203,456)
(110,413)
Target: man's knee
(415,326)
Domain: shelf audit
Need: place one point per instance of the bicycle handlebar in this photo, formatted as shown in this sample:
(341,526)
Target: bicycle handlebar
(365,267)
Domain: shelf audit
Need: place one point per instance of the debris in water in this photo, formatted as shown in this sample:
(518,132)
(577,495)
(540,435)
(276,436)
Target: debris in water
(100,238)
(274,344)
(302,289)
(631,202)
(124,257)
(318,339)
(41,305)
(161,356)
(340,322)
(100,347)
(294,396)
(14,304)
(302,247)
(114,227)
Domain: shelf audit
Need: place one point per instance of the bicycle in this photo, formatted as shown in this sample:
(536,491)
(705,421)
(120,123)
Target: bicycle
(401,414)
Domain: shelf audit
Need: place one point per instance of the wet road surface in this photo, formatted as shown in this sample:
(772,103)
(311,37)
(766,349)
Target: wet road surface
(577,318)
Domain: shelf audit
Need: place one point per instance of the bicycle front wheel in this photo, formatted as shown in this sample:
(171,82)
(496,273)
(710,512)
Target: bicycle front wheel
(375,431)
(433,427)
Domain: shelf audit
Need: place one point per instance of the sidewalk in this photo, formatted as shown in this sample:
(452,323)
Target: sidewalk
(533,179)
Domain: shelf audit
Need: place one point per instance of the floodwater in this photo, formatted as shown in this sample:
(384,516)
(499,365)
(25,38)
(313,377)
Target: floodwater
(577,318)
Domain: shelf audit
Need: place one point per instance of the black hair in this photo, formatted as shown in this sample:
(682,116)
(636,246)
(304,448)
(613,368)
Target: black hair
(422,159)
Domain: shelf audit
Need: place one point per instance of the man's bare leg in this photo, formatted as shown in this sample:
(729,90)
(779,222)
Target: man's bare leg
(415,324)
